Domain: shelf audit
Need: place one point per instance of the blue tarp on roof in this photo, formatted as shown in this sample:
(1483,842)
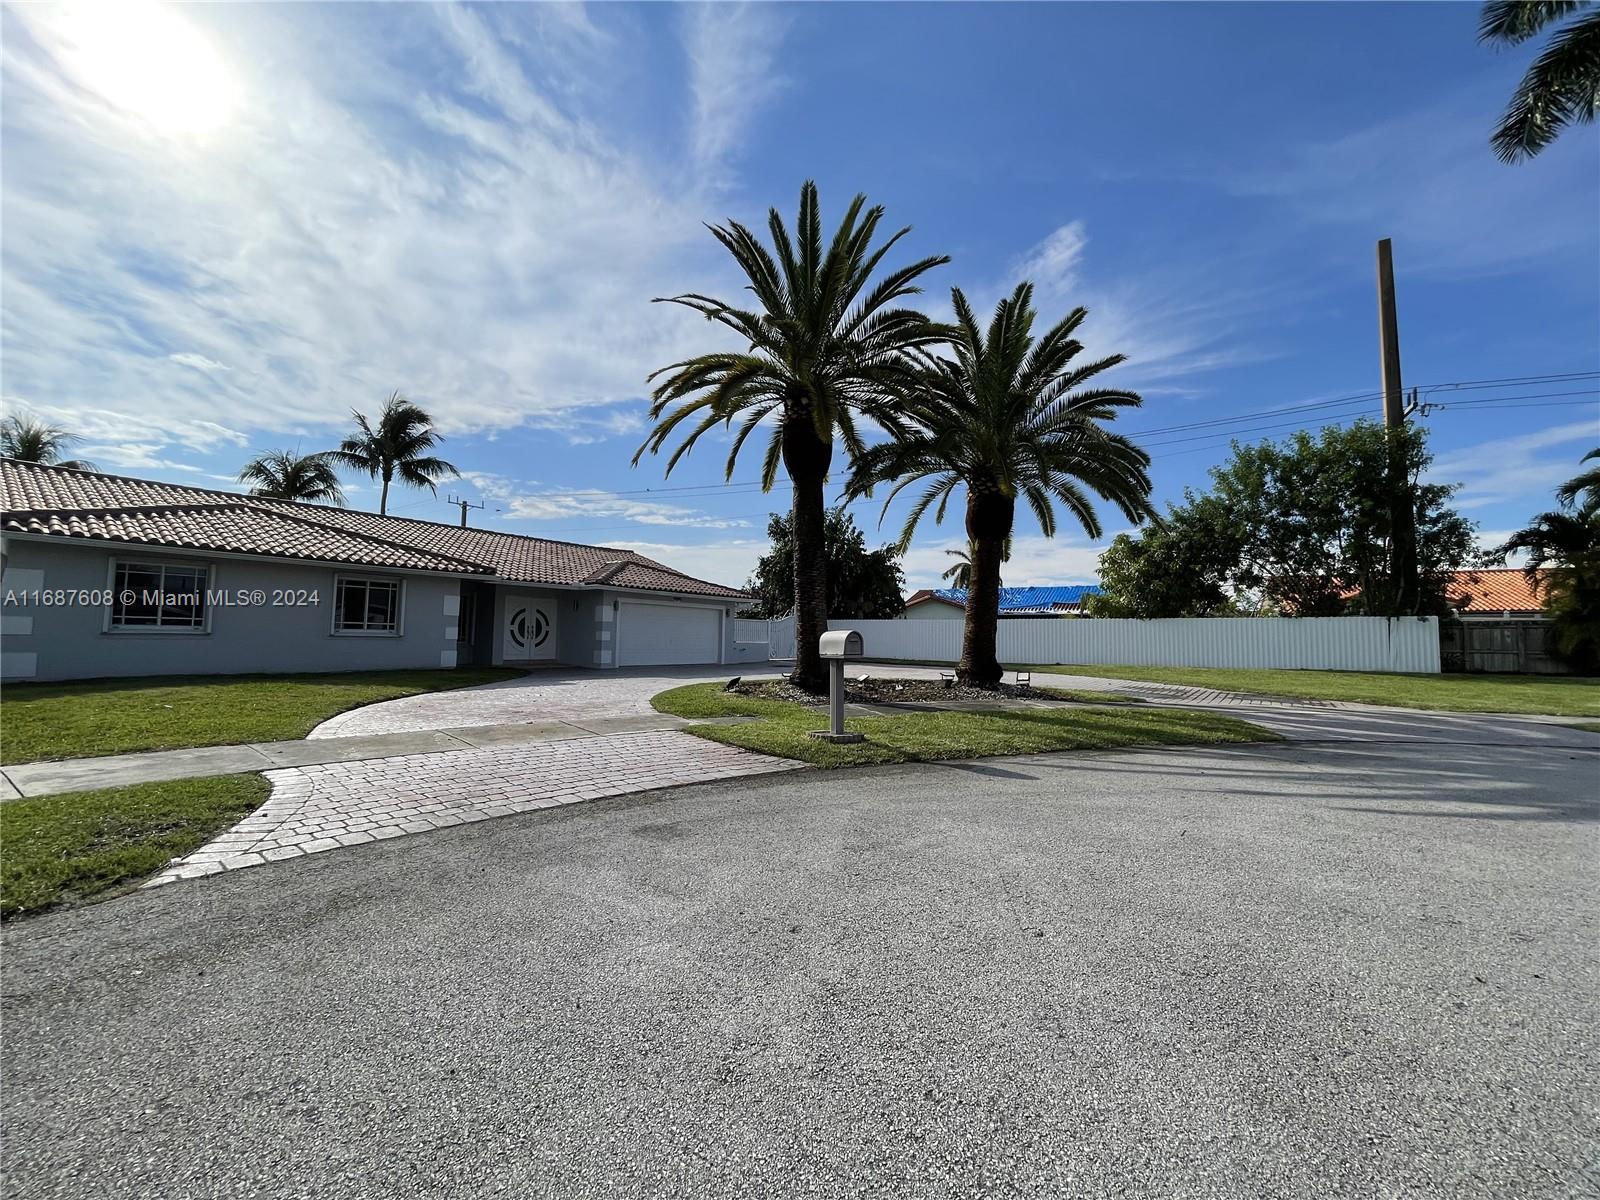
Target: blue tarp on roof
(1028,599)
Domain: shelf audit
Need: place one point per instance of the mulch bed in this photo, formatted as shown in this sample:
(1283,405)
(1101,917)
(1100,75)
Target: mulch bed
(868,690)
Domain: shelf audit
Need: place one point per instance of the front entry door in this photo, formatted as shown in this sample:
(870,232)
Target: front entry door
(530,629)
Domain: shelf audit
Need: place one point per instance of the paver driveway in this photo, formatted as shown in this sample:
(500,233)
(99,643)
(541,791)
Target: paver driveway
(334,805)
(329,806)
(556,694)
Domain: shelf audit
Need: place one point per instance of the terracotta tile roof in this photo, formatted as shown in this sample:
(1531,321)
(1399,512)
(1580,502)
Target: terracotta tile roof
(234,529)
(1502,589)
(63,503)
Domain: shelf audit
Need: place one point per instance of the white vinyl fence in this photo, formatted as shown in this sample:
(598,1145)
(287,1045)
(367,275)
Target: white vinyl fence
(746,630)
(780,637)
(1408,644)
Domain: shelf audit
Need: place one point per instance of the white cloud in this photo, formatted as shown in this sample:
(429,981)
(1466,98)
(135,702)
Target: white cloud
(1168,327)
(462,234)
(1053,263)
(522,502)
(146,425)
(198,361)
(133,456)
(732,51)
(1516,468)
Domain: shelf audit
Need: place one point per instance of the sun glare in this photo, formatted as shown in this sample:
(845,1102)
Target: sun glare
(151,63)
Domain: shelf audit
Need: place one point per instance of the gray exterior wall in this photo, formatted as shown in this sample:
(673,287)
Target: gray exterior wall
(71,641)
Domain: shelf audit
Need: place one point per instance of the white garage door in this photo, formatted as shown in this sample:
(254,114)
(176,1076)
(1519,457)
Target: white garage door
(662,635)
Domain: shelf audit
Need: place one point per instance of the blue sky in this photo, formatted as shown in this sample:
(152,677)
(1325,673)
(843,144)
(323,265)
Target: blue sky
(225,226)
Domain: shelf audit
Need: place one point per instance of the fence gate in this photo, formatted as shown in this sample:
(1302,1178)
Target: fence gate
(780,638)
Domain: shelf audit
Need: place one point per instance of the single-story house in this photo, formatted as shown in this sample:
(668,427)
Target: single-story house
(948,604)
(111,576)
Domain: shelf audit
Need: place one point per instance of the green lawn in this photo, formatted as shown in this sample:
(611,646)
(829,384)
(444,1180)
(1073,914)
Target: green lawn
(71,847)
(781,729)
(117,716)
(1556,695)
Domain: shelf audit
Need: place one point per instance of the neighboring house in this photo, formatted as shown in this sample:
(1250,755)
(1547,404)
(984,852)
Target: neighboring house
(1500,592)
(1500,624)
(949,604)
(109,576)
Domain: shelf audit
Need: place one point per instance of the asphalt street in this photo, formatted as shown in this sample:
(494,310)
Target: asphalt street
(1302,970)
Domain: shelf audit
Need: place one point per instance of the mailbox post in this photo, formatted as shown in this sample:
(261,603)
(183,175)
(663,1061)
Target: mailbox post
(835,647)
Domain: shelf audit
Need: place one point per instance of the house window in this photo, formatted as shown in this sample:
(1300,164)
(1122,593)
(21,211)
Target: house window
(467,621)
(366,605)
(159,596)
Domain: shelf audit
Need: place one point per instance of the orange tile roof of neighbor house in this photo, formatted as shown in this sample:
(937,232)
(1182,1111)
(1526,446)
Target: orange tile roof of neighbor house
(1496,590)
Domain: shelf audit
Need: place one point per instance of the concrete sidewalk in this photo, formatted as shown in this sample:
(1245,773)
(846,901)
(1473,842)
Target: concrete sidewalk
(118,770)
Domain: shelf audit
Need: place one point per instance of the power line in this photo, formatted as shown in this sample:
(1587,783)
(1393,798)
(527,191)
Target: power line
(1506,400)
(1358,397)
(751,486)
(1493,402)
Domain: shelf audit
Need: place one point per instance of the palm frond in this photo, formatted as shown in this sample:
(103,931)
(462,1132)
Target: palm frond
(1561,88)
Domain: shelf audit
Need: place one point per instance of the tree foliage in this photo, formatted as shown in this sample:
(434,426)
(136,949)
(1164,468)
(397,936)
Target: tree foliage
(30,440)
(1299,527)
(285,475)
(862,584)
(1566,543)
(1560,88)
(396,446)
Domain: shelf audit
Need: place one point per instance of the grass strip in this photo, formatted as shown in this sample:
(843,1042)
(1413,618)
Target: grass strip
(1550,695)
(781,728)
(76,846)
(92,718)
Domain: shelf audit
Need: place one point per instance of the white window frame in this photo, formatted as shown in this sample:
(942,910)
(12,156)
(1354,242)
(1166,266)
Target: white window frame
(399,586)
(160,564)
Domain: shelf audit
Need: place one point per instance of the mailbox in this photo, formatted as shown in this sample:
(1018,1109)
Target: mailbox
(841,643)
(837,645)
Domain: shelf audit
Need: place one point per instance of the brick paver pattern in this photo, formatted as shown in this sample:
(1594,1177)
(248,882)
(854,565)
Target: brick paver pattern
(333,805)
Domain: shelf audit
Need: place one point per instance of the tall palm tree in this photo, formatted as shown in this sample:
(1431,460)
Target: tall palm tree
(822,347)
(396,447)
(285,475)
(28,439)
(1561,88)
(1004,420)
(1566,544)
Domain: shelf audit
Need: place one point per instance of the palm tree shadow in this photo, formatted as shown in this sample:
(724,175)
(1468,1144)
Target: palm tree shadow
(1490,783)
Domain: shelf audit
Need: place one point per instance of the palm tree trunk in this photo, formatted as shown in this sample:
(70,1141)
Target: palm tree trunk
(383,497)
(807,457)
(989,518)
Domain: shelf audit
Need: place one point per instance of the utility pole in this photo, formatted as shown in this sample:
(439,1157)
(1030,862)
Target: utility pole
(463,505)
(1402,511)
